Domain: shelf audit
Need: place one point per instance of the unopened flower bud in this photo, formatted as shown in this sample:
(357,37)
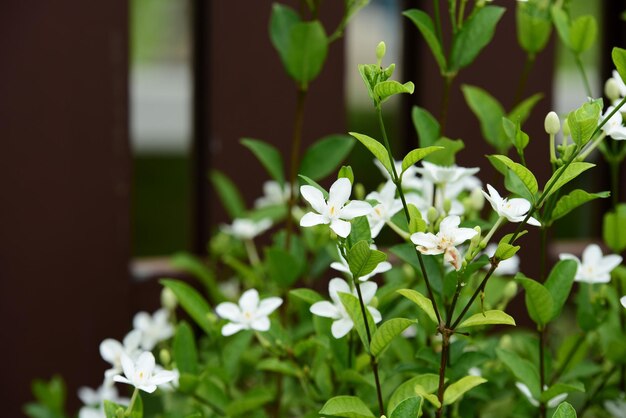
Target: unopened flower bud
(359,191)
(168,299)
(476,238)
(447,205)
(477,199)
(566,131)
(611,89)
(380,52)
(432,214)
(165,357)
(552,124)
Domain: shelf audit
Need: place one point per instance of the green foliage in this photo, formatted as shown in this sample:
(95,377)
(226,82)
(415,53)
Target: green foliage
(251,401)
(445,156)
(353,307)
(346,406)
(559,284)
(416,222)
(528,180)
(457,389)
(269,157)
(426,126)
(534,26)
(523,370)
(417,155)
(424,303)
(283,267)
(229,195)
(613,227)
(573,200)
(425,25)
(386,89)
(422,385)
(564,410)
(619,60)
(560,388)
(363,260)
(564,175)
(112,410)
(313,183)
(582,32)
(346,172)
(360,231)
(493,317)
(584,121)
(50,398)
(184,347)
(387,332)
(539,301)
(193,303)
(408,408)
(309,296)
(376,148)
(197,268)
(323,157)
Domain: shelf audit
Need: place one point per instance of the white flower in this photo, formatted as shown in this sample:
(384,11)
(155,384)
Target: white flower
(445,241)
(251,313)
(410,180)
(111,351)
(387,206)
(154,329)
(410,332)
(552,403)
(594,267)
(616,407)
(141,374)
(622,300)
(334,211)
(344,267)
(613,127)
(474,371)
(441,175)
(617,84)
(106,392)
(247,228)
(335,309)
(273,194)
(91,412)
(514,210)
(508,267)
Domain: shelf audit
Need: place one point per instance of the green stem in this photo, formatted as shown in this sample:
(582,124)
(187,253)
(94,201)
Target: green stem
(452,13)
(583,74)
(479,289)
(253,255)
(542,373)
(295,160)
(461,14)
(132,403)
(570,355)
(403,234)
(590,148)
(438,22)
(442,370)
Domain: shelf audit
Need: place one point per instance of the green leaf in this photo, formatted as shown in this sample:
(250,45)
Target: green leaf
(475,34)
(523,370)
(346,172)
(197,268)
(408,408)
(283,18)
(313,183)
(229,195)
(561,23)
(359,231)
(493,317)
(533,26)
(426,126)
(565,174)
(422,301)
(387,332)
(489,113)
(539,301)
(417,155)
(250,401)
(363,260)
(416,222)
(559,284)
(111,408)
(269,157)
(582,33)
(50,395)
(560,388)
(353,307)
(346,406)
(309,296)
(457,389)
(525,175)
(583,122)
(446,155)
(386,89)
(288,368)
(521,112)
(619,59)
(191,301)
(376,148)
(506,251)
(282,266)
(613,227)
(184,347)
(421,385)
(564,410)
(574,199)
(306,51)
(323,157)
(425,25)
(516,136)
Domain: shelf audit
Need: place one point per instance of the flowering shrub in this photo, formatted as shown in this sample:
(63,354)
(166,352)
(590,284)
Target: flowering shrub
(405,330)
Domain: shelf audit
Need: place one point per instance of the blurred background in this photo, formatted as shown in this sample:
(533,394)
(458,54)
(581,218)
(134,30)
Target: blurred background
(113,113)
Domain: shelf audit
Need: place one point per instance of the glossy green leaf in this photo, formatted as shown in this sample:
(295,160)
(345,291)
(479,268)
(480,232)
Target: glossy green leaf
(539,302)
(561,23)
(523,370)
(184,348)
(564,175)
(50,395)
(516,136)
(288,368)
(421,301)
(525,175)
(346,406)
(111,409)
(613,227)
(534,26)
(582,33)
(425,25)
(306,51)
(309,296)
(353,307)
(282,19)
(489,112)
(363,260)
(325,155)
(359,231)
(493,317)
(191,301)
(421,385)
(426,126)
(389,88)
(476,33)
(416,222)
(387,332)
(370,73)
(228,194)
(446,156)
(457,389)
(346,172)
(584,121)
(408,408)
(560,388)
(619,60)
(377,149)
(313,183)
(564,410)
(504,251)
(269,157)
(417,155)
(282,266)
(574,199)
(559,284)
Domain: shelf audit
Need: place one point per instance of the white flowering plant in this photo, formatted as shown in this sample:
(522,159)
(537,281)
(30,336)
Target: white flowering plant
(322,322)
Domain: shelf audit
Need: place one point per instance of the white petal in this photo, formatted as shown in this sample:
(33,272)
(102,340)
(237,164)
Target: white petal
(230,329)
(325,309)
(567,256)
(368,291)
(339,192)
(554,402)
(592,255)
(427,241)
(228,310)
(526,392)
(121,379)
(335,286)
(341,327)
(340,267)
(267,306)
(128,366)
(463,234)
(261,324)
(315,198)
(611,261)
(163,376)
(376,226)
(622,300)
(533,221)
(449,223)
(249,300)
(146,362)
(88,396)
(376,316)
(142,320)
(341,228)
(354,209)
(147,388)
(132,340)
(110,350)
(312,219)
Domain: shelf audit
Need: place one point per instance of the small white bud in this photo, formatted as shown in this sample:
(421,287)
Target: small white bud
(477,199)
(552,124)
(168,299)
(432,215)
(611,89)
